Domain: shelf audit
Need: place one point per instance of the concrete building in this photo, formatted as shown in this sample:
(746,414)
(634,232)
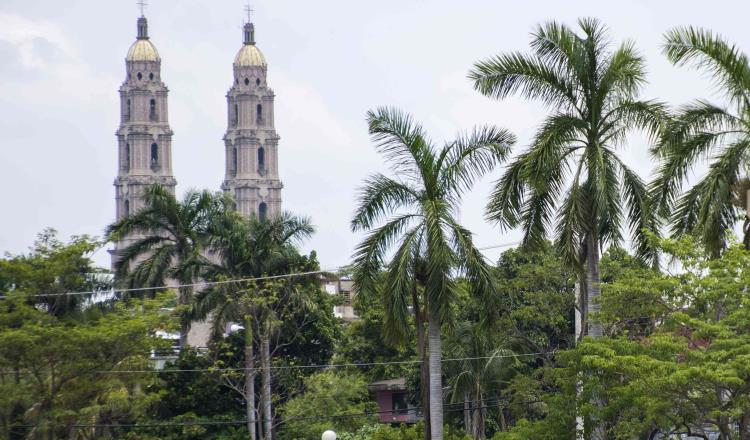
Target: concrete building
(144,138)
(343,288)
(251,144)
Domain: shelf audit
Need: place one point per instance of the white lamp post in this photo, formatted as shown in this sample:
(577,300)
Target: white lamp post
(329,435)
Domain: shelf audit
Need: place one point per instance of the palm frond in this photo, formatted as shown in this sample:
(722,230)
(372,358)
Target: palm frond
(702,48)
(507,74)
(379,197)
(471,156)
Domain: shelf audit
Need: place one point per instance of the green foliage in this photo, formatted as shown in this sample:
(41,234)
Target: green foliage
(402,432)
(54,372)
(331,400)
(52,267)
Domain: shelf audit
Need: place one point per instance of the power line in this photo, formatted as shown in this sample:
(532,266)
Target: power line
(213,283)
(499,403)
(294,367)
(200,284)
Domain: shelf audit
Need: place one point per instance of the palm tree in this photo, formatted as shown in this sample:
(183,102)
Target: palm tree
(418,212)
(702,129)
(166,239)
(572,166)
(252,248)
(482,367)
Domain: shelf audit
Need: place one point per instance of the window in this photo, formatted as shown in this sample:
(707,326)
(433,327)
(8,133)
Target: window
(126,162)
(127,110)
(262,211)
(234,160)
(152,109)
(247,81)
(261,159)
(259,113)
(127,207)
(154,156)
(236,116)
(398,404)
(257,81)
(151,76)
(139,76)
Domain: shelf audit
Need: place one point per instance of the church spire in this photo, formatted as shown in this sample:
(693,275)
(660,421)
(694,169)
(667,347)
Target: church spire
(249,28)
(142,28)
(249,32)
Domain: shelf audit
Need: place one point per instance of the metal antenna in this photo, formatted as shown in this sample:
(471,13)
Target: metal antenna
(142,4)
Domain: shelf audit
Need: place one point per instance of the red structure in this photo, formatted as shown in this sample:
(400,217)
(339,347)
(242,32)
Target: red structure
(393,401)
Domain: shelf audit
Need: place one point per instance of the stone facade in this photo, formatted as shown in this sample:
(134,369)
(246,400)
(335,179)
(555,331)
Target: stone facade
(144,138)
(251,142)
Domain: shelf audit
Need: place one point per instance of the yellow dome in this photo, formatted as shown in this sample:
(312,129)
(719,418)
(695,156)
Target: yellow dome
(249,56)
(143,50)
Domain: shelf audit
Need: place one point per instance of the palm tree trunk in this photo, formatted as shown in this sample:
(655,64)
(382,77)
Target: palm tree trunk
(436,380)
(424,369)
(265,366)
(467,415)
(249,378)
(183,298)
(593,285)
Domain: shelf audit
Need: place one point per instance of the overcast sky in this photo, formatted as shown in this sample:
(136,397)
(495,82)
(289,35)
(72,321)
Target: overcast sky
(61,63)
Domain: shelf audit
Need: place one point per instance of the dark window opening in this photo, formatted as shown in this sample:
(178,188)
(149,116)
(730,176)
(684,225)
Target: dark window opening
(152,109)
(236,115)
(154,156)
(234,160)
(236,81)
(259,113)
(127,207)
(261,160)
(257,81)
(127,110)
(399,405)
(247,81)
(262,211)
(151,76)
(139,76)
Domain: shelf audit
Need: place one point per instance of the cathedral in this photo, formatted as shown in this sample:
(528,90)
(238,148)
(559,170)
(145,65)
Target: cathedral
(144,138)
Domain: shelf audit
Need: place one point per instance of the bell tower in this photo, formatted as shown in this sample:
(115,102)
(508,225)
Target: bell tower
(144,139)
(251,143)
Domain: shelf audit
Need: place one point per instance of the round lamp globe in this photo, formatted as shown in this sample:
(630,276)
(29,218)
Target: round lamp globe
(328,435)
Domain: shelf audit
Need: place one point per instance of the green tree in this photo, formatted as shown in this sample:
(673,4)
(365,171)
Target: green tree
(52,268)
(332,400)
(572,166)
(483,365)
(253,248)
(54,373)
(419,208)
(164,240)
(701,130)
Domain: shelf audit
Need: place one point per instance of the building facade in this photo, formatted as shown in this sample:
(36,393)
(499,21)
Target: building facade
(251,144)
(144,138)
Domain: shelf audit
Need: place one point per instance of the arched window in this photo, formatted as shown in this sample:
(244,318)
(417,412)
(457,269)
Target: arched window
(259,113)
(139,76)
(127,207)
(262,211)
(154,155)
(247,81)
(234,160)
(127,110)
(152,109)
(261,160)
(236,115)
(151,76)
(126,162)
(257,81)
